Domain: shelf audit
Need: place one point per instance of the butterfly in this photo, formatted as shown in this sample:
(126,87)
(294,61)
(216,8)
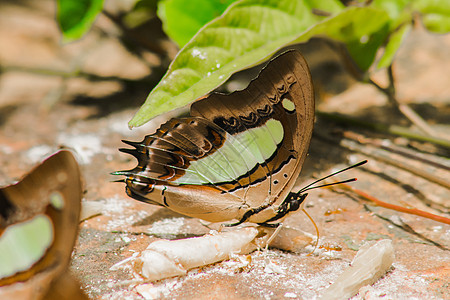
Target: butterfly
(38,229)
(237,156)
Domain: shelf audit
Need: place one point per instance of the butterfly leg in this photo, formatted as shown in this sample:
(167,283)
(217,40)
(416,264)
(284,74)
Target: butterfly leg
(291,203)
(274,234)
(248,214)
(270,225)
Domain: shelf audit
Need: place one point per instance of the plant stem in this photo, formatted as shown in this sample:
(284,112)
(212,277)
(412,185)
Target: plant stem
(386,128)
(407,111)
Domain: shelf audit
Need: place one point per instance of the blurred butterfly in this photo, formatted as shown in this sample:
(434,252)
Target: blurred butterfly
(38,229)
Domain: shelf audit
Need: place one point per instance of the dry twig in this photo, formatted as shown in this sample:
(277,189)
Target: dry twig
(412,211)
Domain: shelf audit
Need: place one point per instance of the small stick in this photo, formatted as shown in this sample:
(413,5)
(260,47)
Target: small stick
(416,119)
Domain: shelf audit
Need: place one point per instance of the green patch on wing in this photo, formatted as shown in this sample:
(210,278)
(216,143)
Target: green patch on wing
(24,244)
(238,155)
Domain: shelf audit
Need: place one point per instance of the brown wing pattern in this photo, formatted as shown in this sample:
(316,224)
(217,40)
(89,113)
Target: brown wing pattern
(208,155)
(166,155)
(286,77)
(52,189)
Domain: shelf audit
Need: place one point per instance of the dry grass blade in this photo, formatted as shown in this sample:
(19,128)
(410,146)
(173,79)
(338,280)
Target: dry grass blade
(381,155)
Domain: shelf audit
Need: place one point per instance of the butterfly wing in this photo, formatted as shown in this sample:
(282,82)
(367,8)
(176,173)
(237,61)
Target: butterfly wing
(38,228)
(237,152)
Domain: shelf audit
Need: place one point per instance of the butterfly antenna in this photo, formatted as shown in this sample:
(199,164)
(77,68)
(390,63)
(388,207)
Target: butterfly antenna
(328,184)
(317,231)
(332,174)
(119,180)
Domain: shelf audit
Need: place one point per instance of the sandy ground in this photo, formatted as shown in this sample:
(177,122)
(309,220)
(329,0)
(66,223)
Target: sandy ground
(40,113)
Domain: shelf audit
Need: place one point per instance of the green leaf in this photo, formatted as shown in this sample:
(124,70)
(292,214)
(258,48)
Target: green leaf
(399,11)
(75,17)
(182,19)
(364,50)
(395,41)
(435,14)
(249,32)
(362,29)
(436,23)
